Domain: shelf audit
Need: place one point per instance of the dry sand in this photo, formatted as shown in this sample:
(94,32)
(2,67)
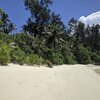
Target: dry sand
(66,82)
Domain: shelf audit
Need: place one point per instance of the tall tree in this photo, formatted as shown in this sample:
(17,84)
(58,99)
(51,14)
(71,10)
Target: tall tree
(40,15)
(95,38)
(54,32)
(6,25)
(43,23)
(77,31)
(80,32)
(1,23)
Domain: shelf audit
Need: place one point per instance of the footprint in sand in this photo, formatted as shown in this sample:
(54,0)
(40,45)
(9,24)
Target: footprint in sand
(36,86)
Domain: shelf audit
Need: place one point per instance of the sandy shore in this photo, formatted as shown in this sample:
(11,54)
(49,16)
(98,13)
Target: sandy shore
(66,82)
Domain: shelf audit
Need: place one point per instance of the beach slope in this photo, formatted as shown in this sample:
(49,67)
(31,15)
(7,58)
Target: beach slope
(65,82)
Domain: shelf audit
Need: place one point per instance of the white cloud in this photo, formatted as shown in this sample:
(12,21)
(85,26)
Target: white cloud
(93,18)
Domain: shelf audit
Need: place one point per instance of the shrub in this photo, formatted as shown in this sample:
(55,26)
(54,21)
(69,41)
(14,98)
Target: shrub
(56,58)
(34,59)
(17,56)
(24,41)
(6,38)
(4,53)
(82,55)
(69,58)
(95,58)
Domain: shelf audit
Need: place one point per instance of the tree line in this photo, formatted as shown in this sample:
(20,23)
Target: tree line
(45,39)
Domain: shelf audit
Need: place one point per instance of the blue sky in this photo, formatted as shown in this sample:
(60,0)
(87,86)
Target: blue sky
(66,8)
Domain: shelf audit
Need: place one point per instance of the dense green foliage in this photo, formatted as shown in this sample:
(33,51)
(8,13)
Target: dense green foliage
(4,53)
(82,55)
(6,25)
(34,59)
(17,56)
(45,39)
(95,58)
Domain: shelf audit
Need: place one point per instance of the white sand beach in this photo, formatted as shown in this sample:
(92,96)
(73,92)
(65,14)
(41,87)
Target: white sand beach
(65,82)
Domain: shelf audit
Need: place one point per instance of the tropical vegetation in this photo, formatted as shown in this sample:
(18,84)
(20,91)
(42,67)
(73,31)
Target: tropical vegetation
(45,39)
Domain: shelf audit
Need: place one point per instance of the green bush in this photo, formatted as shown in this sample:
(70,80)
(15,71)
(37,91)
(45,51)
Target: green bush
(17,56)
(34,59)
(95,58)
(69,58)
(56,58)
(24,41)
(4,53)
(6,38)
(82,55)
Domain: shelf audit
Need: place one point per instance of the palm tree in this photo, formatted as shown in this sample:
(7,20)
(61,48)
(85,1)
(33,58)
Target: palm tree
(7,25)
(53,32)
(11,27)
(1,23)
